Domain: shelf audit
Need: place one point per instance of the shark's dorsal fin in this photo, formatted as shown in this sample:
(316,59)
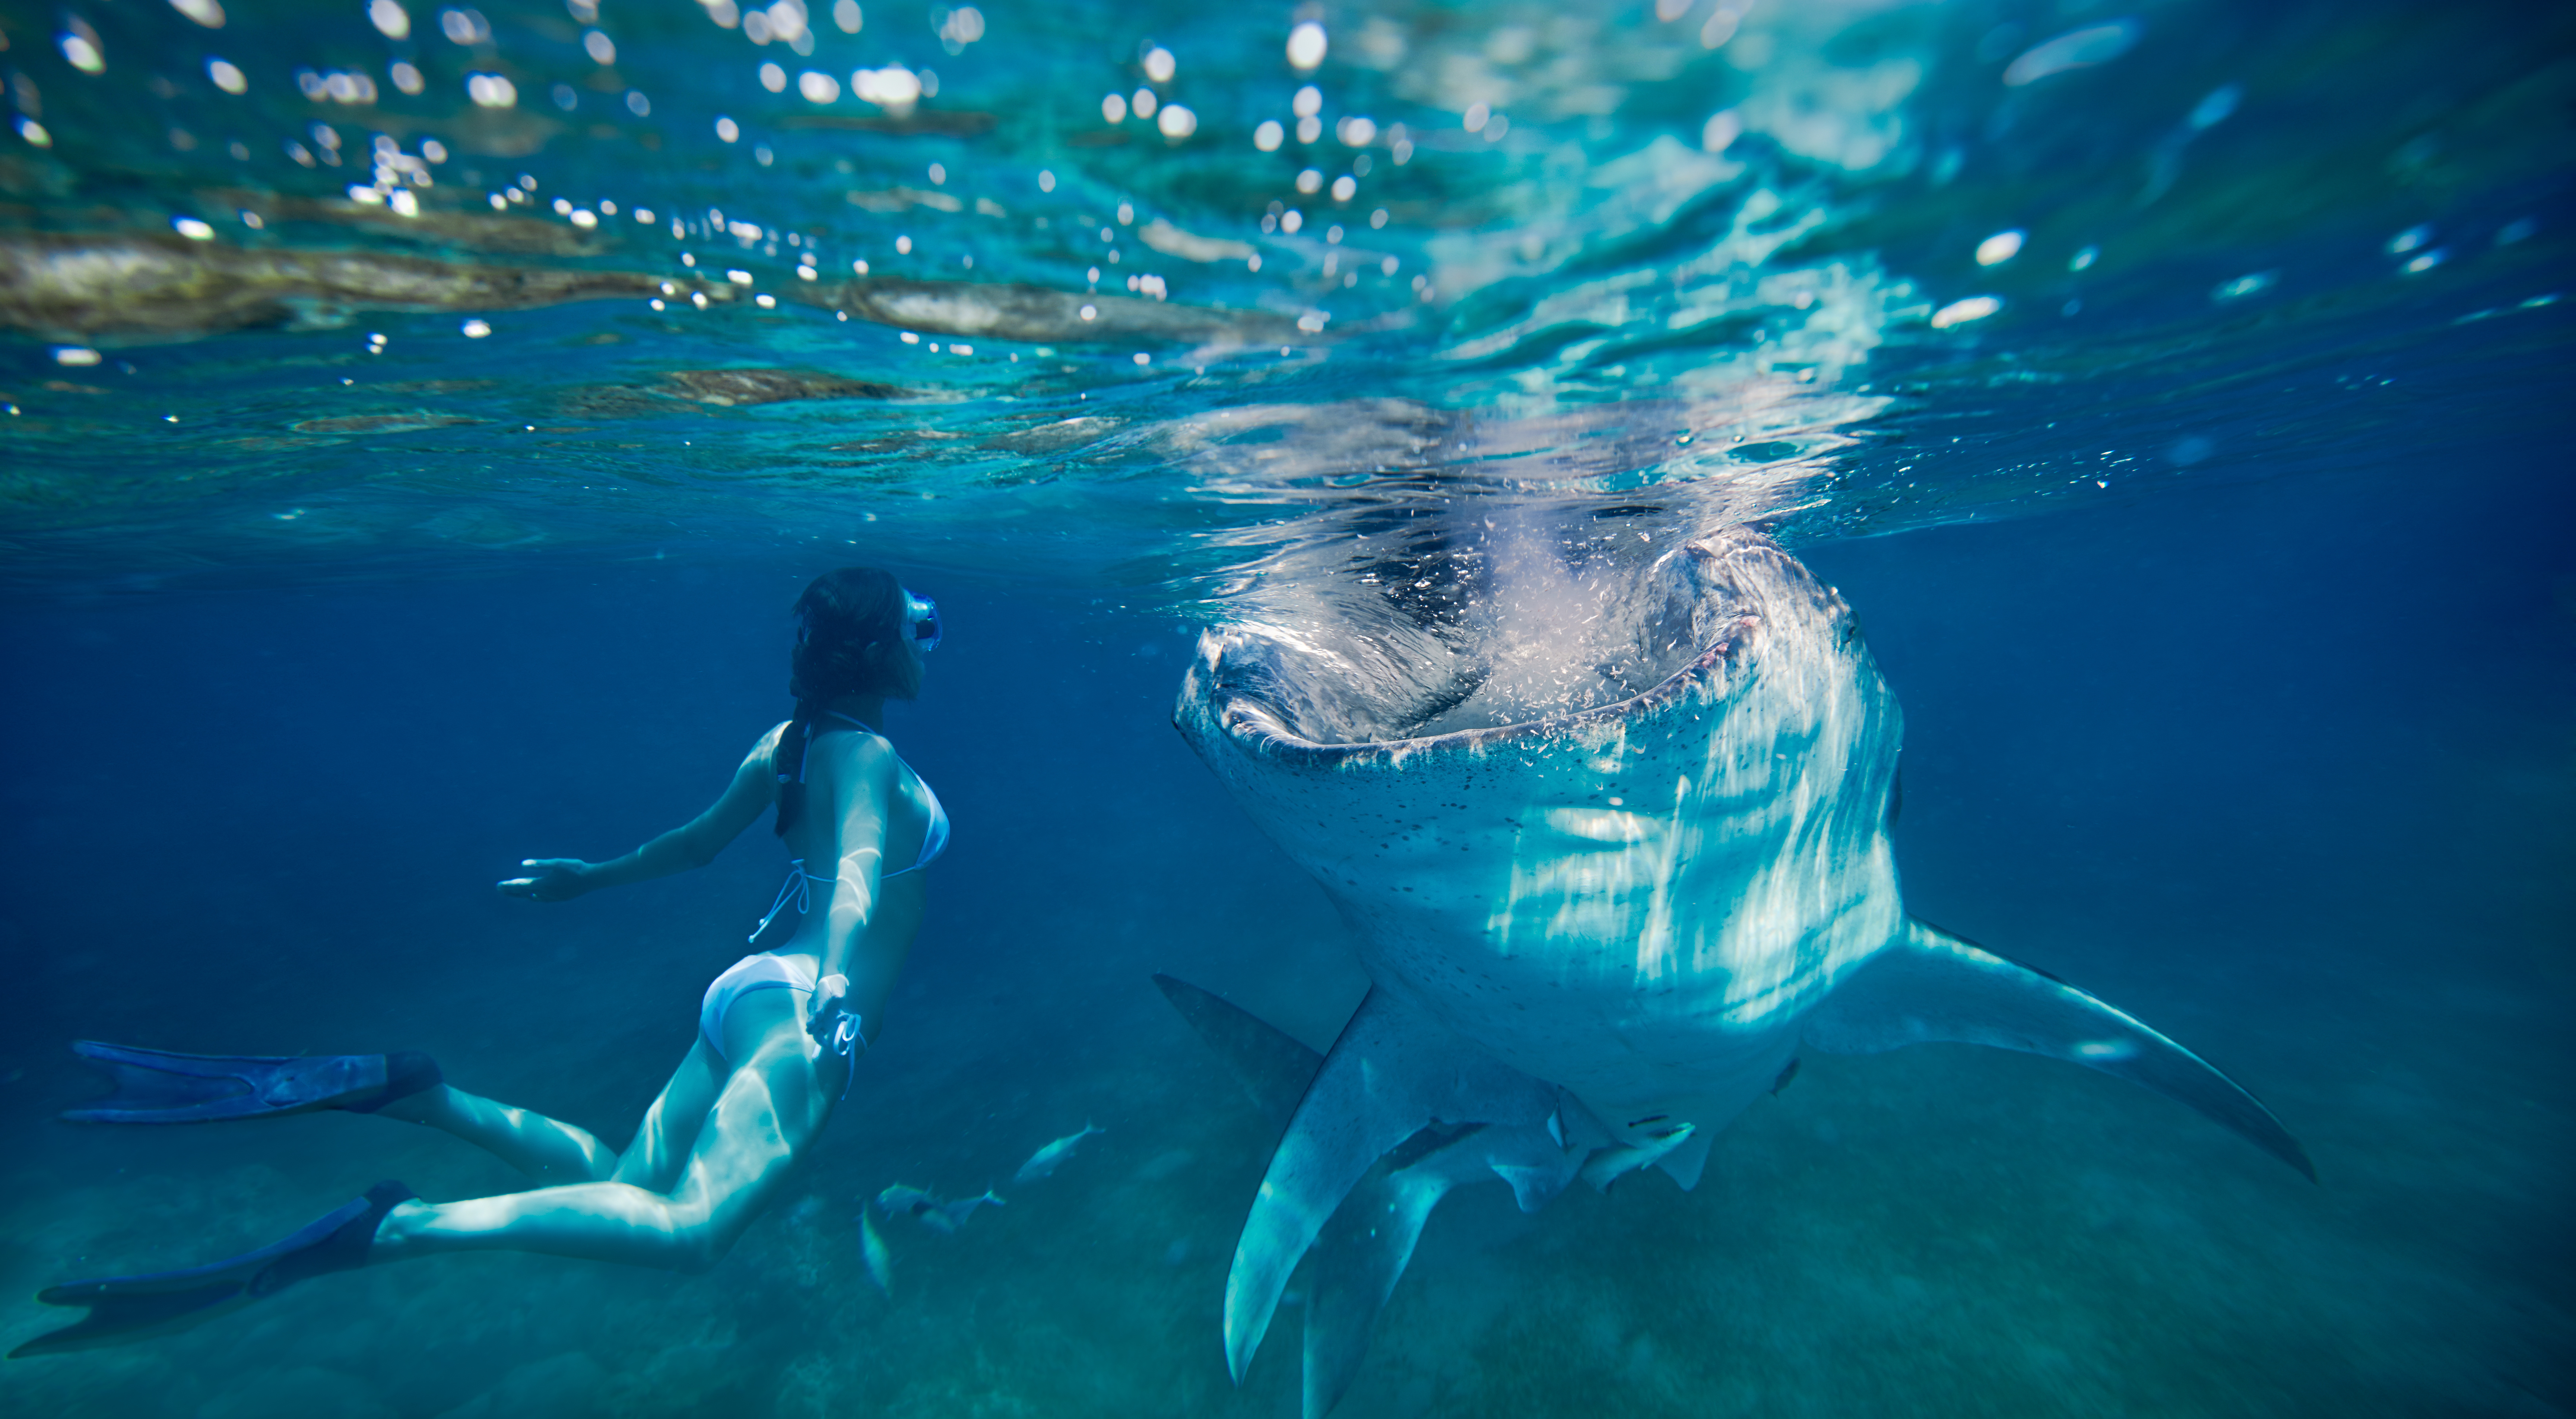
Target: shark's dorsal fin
(1932,987)
(1272,1067)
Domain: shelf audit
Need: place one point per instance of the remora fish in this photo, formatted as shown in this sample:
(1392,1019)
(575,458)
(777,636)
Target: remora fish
(1608,874)
(901,1200)
(872,1249)
(1043,1163)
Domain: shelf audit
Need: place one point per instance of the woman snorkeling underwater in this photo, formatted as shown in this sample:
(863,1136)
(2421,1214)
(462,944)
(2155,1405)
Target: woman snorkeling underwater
(778,1031)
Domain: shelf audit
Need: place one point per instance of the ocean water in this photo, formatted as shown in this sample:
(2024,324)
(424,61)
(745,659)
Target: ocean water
(2175,390)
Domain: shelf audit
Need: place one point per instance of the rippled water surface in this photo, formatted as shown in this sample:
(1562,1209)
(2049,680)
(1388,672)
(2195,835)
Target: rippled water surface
(417,420)
(1848,266)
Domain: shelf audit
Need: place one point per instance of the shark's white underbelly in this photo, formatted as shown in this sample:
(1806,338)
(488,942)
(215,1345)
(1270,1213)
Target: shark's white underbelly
(1653,994)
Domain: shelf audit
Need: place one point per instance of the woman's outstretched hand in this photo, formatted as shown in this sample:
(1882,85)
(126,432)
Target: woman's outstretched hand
(549,879)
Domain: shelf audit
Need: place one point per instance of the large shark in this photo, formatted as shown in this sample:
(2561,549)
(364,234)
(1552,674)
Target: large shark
(1610,823)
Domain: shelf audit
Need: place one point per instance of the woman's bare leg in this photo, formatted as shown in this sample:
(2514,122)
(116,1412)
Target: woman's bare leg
(768,1109)
(672,1125)
(549,1150)
(552,1151)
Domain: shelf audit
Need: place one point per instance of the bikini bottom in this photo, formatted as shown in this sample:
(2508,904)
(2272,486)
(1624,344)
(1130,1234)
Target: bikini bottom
(760,971)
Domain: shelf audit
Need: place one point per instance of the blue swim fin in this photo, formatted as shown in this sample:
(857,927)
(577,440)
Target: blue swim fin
(129,1308)
(156,1086)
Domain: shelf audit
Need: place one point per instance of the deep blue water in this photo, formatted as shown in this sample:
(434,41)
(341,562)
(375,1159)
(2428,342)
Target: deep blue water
(2291,785)
(2234,622)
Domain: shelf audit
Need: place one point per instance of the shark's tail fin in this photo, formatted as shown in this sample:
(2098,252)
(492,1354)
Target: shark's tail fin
(1364,1163)
(1362,1252)
(1393,1071)
(1934,987)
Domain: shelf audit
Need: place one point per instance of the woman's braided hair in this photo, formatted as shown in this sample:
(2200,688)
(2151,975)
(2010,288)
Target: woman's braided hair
(850,624)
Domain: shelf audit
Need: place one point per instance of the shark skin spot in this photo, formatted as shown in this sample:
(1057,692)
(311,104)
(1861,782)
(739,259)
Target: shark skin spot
(1602,825)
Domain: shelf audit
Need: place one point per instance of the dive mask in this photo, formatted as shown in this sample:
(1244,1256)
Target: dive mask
(922,615)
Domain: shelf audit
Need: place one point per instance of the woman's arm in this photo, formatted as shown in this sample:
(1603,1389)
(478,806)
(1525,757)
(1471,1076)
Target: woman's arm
(692,844)
(866,787)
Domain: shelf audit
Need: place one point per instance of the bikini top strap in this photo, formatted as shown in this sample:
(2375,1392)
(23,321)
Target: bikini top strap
(809,741)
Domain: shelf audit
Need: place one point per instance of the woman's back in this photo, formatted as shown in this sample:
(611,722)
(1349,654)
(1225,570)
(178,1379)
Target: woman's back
(841,756)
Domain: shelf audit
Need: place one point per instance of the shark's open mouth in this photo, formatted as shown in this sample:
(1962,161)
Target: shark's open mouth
(1503,636)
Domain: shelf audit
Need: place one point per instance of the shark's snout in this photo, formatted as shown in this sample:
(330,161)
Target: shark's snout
(1493,637)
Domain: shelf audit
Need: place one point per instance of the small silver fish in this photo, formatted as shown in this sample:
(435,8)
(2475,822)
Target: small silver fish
(947,1217)
(873,1249)
(1043,1163)
(902,1200)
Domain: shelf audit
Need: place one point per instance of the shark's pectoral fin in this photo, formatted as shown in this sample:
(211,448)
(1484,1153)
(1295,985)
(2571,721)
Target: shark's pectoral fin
(1272,1067)
(1534,1187)
(1611,1164)
(1934,987)
(1393,1071)
(1363,1251)
(1686,1160)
